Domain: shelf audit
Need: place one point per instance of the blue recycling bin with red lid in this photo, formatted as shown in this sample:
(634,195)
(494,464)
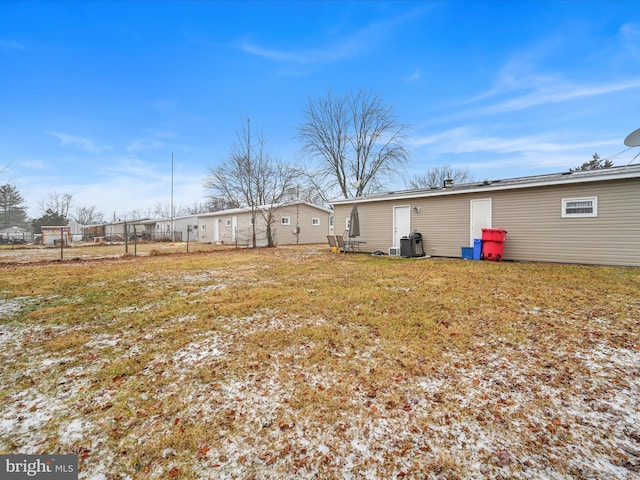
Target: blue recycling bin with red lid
(493,244)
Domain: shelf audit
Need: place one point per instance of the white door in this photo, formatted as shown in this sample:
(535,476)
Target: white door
(401,224)
(480,217)
(216,229)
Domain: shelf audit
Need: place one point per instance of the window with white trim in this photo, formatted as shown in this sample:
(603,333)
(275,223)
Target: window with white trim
(579,207)
(315,222)
(285,221)
(228,223)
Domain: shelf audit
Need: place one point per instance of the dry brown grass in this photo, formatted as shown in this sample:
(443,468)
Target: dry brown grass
(11,254)
(296,363)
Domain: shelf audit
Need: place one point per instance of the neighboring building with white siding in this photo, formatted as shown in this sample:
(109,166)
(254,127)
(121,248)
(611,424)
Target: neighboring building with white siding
(590,217)
(296,223)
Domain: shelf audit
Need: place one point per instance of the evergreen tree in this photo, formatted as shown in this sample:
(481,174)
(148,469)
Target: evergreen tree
(13,212)
(596,163)
(49,219)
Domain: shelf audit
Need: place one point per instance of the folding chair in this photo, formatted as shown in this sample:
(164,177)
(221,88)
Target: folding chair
(333,246)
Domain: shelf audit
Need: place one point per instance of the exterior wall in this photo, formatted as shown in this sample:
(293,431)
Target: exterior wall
(444,223)
(302,215)
(94,231)
(206,229)
(76,231)
(53,235)
(243,229)
(537,231)
(225,232)
(114,231)
(531,216)
(181,226)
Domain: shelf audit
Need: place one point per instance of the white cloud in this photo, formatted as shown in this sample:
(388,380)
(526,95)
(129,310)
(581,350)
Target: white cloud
(473,140)
(118,184)
(521,83)
(79,142)
(414,77)
(346,46)
(559,93)
(144,144)
(11,45)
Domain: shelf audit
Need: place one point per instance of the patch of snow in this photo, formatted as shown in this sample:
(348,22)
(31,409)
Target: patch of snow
(11,306)
(72,432)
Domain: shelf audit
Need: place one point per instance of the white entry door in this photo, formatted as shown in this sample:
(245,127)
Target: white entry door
(401,224)
(234,227)
(480,217)
(216,229)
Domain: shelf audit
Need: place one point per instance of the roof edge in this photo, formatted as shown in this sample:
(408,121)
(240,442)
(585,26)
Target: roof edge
(563,178)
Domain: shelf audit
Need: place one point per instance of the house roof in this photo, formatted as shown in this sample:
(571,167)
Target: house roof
(120,222)
(235,211)
(563,178)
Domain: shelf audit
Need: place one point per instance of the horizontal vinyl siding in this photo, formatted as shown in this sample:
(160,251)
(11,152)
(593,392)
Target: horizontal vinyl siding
(537,231)
(376,224)
(444,223)
(308,233)
(531,216)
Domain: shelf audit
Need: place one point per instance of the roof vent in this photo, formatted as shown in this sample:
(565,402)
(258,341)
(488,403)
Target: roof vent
(448,183)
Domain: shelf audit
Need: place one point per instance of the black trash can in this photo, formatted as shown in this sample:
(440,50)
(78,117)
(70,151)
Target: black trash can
(412,246)
(407,247)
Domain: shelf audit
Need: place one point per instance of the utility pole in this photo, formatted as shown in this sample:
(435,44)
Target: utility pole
(173,233)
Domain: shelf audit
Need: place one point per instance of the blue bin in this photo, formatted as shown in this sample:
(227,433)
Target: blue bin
(477,248)
(467,253)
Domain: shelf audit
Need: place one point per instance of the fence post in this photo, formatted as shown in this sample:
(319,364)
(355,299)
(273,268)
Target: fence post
(62,244)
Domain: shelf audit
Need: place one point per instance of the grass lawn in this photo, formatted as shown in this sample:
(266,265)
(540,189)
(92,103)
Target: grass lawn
(297,363)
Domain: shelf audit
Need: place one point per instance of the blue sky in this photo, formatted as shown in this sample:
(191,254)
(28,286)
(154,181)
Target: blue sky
(96,96)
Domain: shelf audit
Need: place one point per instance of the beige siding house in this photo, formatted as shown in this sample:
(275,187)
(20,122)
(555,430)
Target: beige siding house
(296,223)
(590,217)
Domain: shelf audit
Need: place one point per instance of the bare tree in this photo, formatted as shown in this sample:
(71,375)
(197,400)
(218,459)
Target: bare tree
(304,192)
(162,210)
(252,178)
(57,203)
(214,203)
(437,176)
(357,142)
(88,216)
